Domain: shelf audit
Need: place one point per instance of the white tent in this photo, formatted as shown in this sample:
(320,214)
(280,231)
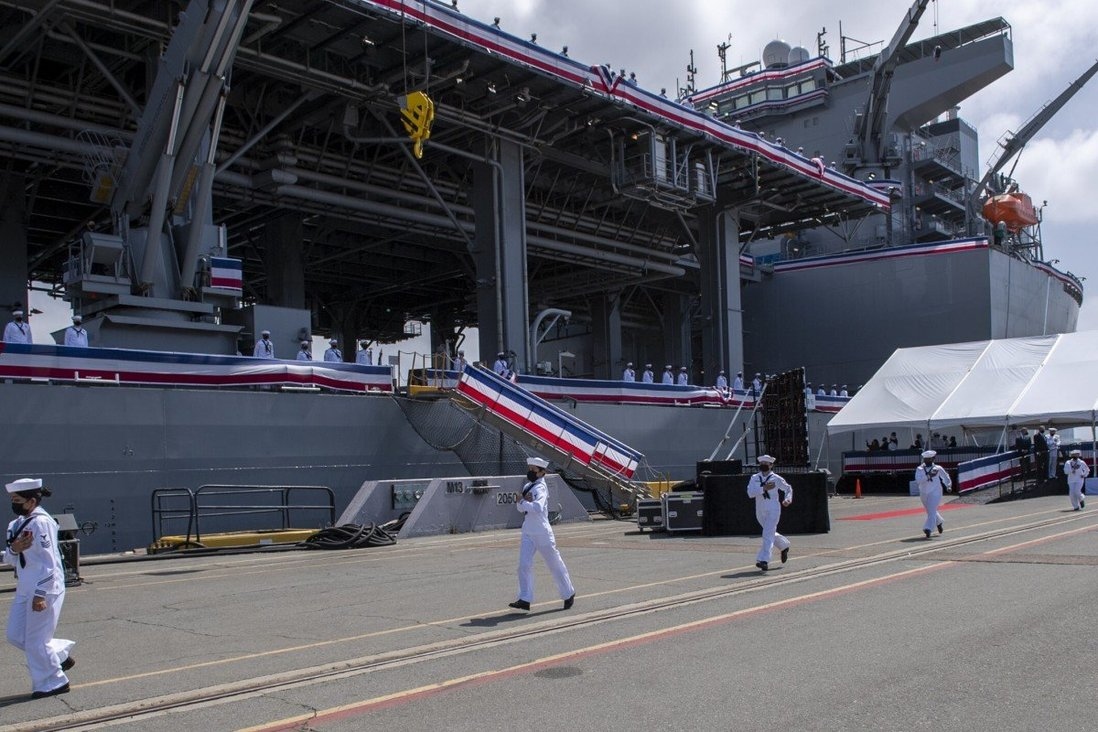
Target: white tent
(980,385)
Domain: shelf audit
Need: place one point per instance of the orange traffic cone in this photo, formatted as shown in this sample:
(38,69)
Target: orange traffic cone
(857,487)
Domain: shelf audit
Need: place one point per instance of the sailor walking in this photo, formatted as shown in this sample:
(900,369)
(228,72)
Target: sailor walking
(263,347)
(771,492)
(648,377)
(1076,471)
(17,331)
(933,480)
(75,334)
(333,353)
(537,536)
(32,549)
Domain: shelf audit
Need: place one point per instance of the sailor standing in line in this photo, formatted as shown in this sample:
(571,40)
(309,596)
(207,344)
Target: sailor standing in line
(771,492)
(365,356)
(843,392)
(757,384)
(668,377)
(1076,471)
(737,383)
(1053,442)
(648,377)
(932,480)
(500,366)
(39,590)
(303,354)
(333,353)
(682,380)
(17,331)
(629,374)
(537,536)
(722,381)
(459,363)
(263,347)
(75,335)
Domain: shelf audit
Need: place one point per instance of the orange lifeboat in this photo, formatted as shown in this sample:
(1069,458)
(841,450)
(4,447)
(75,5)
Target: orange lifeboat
(1013,209)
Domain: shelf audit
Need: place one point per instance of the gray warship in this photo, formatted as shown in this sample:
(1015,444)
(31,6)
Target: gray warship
(188,178)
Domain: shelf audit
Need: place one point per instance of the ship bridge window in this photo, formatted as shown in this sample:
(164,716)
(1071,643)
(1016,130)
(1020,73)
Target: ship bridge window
(757,97)
(775,94)
(742,102)
(792,90)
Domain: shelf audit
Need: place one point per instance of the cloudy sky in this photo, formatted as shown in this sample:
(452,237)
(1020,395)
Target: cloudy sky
(1054,42)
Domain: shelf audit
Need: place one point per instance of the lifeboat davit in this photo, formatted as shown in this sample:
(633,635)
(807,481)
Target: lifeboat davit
(1013,209)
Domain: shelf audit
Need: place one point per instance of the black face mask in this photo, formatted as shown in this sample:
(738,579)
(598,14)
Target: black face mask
(531,475)
(19,509)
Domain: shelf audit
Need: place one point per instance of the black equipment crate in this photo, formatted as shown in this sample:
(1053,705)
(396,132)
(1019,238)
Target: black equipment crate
(650,514)
(683,511)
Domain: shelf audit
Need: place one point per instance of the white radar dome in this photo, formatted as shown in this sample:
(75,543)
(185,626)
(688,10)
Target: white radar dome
(776,55)
(798,55)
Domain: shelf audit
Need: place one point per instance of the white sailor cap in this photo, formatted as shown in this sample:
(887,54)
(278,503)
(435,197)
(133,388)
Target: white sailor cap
(722,371)
(333,341)
(77,318)
(930,453)
(1051,429)
(305,344)
(16,312)
(765,459)
(682,368)
(536,462)
(264,332)
(1075,453)
(24,484)
(668,366)
(648,365)
(630,364)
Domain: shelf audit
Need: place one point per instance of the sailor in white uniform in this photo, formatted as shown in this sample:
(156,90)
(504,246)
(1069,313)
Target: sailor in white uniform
(32,549)
(771,492)
(333,353)
(722,381)
(843,392)
(263,347)
(459,363)
(1053,442)
(501,366)
(365,355)
(668,377)
(75,334)
(737,383)
(537,536)
(682,378)
(834,390)
(821,391)
(757,384)
(1076,470)
(629,374)
(648,377)
(17,331)
(303,354)
(933,480)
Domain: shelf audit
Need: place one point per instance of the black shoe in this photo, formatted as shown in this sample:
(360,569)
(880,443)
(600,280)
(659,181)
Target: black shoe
(1074,509)
(68,663)
(1082,504)
(570,601)
(927,532)
(762,565)
(940,528)
(63,689)
(785,555)
(519,605)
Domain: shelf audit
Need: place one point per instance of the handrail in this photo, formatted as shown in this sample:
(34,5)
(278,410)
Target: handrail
(161,514)
(213,510)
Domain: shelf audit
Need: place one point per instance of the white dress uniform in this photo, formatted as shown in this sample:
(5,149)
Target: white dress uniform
(770,491)
(537,536)
(501,367)
(648,377)
(722,381)
(629,374)
(737,383)
(668,377)
(76,336)
(18,331)
(264,348)
(1053,442)
(333,354)
(40,574)
(303,354)
(459,363)
(1076,471)
(681,380)
(365,357)
(932,480)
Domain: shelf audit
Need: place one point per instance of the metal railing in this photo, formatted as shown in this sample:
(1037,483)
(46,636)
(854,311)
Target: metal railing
(204,504)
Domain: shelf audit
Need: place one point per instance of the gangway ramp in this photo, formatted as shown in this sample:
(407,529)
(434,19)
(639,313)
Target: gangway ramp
(571,443)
